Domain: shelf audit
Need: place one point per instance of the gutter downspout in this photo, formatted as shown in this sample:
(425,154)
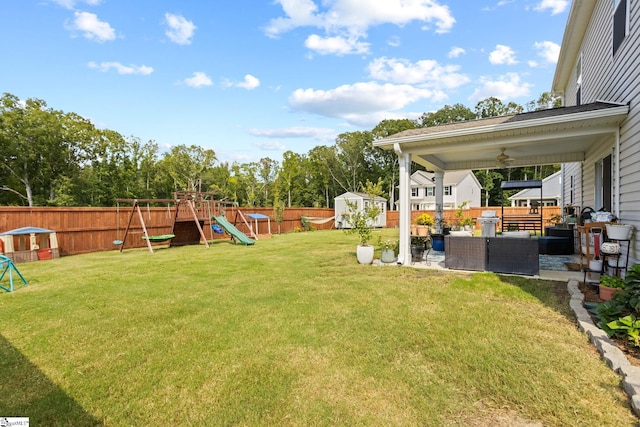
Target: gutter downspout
(617,175)
(404,214)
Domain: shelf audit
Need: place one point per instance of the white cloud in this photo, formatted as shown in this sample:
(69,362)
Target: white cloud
(547,50)
(70,4)
(199,79)
(121,69)
(428,73)
(180,29)
(336,45)
(318,134)
(556,6)
(455,52)
(360,102)
(250,82)
(507,86)
(394,41)
(270,145)
(92,27)
(503,55)
(355,17)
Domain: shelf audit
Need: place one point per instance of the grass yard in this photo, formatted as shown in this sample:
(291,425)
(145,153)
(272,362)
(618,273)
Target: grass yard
(292,331)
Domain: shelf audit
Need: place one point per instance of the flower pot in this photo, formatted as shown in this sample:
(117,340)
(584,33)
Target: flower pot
(437,242)
(423,230)
(417,253)
(606,292)
(44,254)
(619,231)
(595,265)
(387,256)
(365,254)
(414,229)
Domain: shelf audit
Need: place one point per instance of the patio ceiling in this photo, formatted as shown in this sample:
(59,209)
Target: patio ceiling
(558,135)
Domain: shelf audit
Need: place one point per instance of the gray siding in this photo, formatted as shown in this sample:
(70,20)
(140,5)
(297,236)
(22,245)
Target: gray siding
(616,79)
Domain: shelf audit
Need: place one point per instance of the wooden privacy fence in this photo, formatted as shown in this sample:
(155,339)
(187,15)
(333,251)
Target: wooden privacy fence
(82,230)
(450,214)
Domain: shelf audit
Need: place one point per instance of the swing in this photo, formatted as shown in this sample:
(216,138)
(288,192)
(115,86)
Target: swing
(158,238)
(118,242)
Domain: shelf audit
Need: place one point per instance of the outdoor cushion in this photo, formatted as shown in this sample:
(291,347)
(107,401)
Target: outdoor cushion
(461,233)
(516,234)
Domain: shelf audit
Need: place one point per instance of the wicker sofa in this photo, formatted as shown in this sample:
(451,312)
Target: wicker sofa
(513,255)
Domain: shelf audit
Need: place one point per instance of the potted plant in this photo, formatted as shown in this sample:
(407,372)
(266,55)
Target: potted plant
(467,223)
(424,221)
(609,285)
(388,249)
(569,210)
(362,220)
(417,249)
(619,231)
(462,221)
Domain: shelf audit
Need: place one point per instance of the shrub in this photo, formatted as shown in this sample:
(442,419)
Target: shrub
(424,219)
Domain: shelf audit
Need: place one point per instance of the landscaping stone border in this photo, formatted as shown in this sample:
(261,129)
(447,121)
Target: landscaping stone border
(610,353)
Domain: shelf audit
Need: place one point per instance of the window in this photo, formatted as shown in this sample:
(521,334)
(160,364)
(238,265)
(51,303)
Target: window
(431,191)
(571,192)
(415,192)
(603,184)
(448,191)
(620,22)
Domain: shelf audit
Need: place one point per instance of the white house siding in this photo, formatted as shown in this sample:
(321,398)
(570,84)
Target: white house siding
(574,170)
(467,191)
(615,79)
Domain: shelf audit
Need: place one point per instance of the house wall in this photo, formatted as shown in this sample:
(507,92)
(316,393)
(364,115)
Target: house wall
(341,208)
(468,190)
(615,79)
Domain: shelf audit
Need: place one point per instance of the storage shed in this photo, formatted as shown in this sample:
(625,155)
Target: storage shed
(361,200)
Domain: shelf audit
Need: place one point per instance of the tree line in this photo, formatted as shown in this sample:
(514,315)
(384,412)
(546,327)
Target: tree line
(52,158)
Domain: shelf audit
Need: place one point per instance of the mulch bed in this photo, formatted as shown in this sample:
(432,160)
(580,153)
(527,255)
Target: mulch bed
(591,295)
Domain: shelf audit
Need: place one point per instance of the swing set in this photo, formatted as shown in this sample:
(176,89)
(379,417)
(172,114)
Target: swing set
(182,232)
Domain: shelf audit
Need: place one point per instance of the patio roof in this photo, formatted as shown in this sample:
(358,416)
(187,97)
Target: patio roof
(557,135)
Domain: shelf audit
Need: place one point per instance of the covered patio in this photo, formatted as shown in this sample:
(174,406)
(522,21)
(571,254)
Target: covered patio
(553,136)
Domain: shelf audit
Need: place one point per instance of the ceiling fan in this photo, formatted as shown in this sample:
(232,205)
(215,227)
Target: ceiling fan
(503,158)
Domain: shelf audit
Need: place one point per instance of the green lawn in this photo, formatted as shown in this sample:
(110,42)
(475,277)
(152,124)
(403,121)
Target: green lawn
(292,331)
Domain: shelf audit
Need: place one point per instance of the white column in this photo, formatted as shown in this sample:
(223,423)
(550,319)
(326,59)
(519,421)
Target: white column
(439,175)
(404,214)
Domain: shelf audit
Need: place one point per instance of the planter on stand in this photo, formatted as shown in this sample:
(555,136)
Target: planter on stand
(417,253)
(619,231)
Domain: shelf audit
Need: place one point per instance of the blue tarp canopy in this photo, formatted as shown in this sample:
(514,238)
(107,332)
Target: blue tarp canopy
(257,216)
(26,230)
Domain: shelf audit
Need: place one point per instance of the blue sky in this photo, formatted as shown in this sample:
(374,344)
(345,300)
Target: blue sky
(252,78)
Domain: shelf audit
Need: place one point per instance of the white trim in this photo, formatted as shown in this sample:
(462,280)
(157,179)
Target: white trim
(503,127)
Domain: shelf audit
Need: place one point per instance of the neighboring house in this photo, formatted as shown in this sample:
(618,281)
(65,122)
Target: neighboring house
(551,193)
(458,187)
(595,136)
(361,200)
